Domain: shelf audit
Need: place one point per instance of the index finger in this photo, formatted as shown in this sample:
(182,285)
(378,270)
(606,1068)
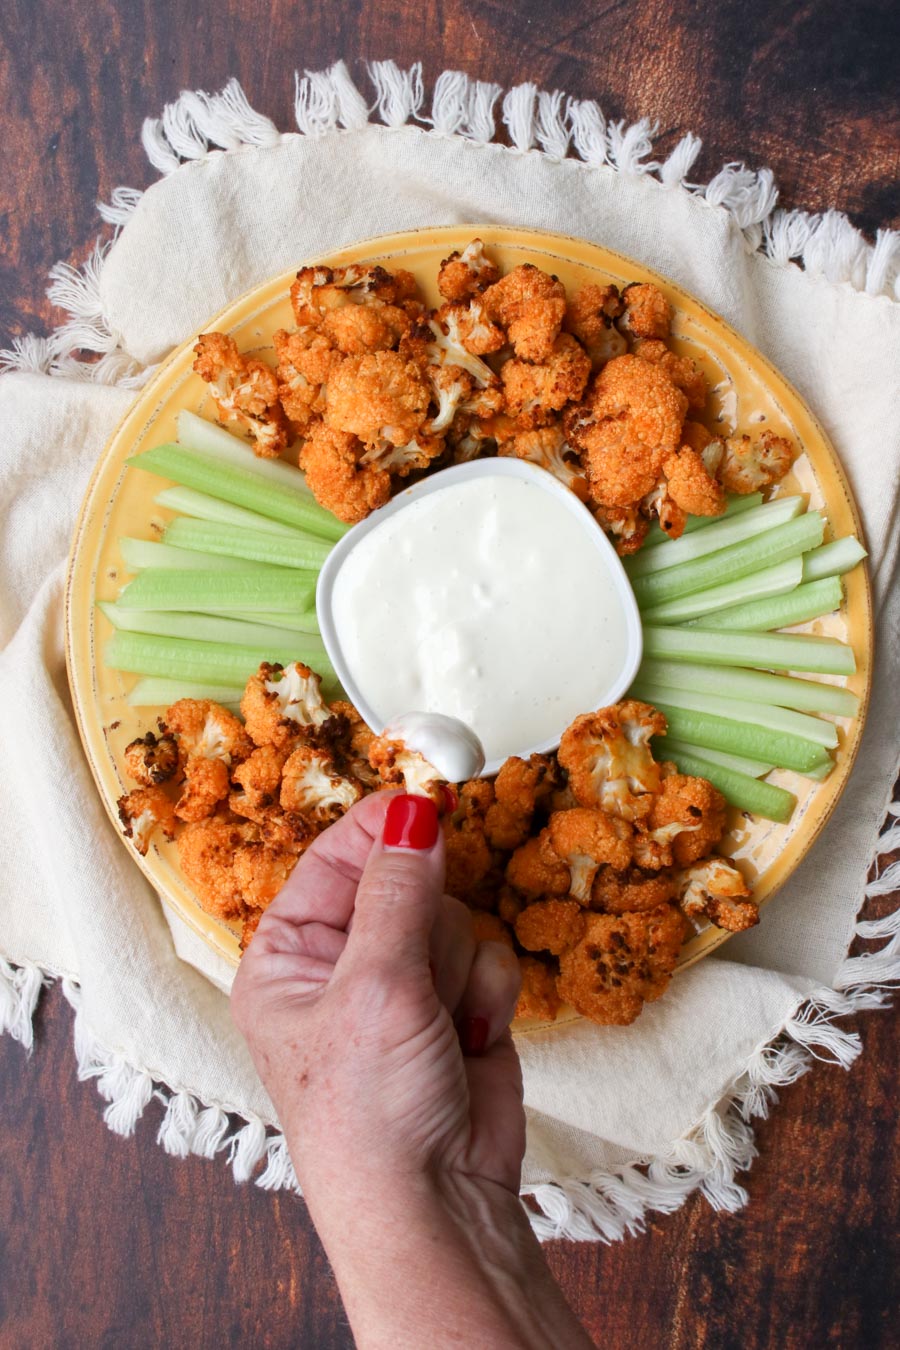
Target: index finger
(322,887)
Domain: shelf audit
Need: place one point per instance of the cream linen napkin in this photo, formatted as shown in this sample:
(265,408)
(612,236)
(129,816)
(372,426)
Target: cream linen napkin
(620,1120)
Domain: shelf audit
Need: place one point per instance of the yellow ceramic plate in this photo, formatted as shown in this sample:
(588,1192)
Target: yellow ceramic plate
(746,393)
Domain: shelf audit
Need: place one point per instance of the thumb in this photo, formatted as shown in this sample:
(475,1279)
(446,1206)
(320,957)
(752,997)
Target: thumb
(400,890)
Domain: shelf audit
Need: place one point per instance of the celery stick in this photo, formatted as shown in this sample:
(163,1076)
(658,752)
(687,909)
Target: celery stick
(821,771)
(740,789)
(738,560)
(735,762)
(771,581)
(202,507)
(198,433)
(201,627)
(303,551)
(734,507)
(277,588)
(141,553)
(755,714)
(307,622)
(778,611)
(755,686)
(778,651)
(738,738)
(204,662)
(832,560)
(240,485)
(160,692)
(723,532)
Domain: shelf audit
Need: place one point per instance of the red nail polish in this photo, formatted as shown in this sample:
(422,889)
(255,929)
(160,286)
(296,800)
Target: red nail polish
(411,822)
(451,800)
(473,1034)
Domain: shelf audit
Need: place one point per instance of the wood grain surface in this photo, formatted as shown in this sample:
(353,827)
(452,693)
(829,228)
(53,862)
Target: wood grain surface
(108,1242)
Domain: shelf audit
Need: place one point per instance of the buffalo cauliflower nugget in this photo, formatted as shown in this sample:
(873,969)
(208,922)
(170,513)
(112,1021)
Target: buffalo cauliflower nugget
(584,839)
(751,465)
(626,526)
(468,853)
(715,889)
(648,313)
(621,962)
(257,781)
(206,784)
(207,850)
(538,998)
(630,421)
(551,926)
(530,305)
(467,326)
(207,730)
(547,447)
(488,928)
(590,316)
(306,360)
(690,485)
(282,702)
(377,397)
(398,766)
(144,810)
(338,478)
(463,275)
(245,391)
(608,759)
(260,871)
(616,892)
(350,743)
(518,788)
(691,802)
(653,848)
(684,373)
(311,786)
(536,869)
(151,760)
(535,391)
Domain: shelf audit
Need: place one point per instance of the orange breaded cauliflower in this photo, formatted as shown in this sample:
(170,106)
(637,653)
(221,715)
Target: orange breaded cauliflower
(450,386)
(397,766)
(337,477)
(318,292)
(259,778)
(648,313)
(462,275)
(584,839)
(518,788)
(378,397)
(245,391)
(538,998)
(690,485)
(607,757)
(207,851)
(452,328)
(144,810)
(151,760)
(530,305)
(306,360)
(629,423)
(311,786)
(536,870)
(401,460)
(350,743)
(590,316)
(621,962)
(205,785)
(690,801)
(488,928)
(653,848)
(750,465)
(207,730)
(547,447)
(468,859)
(281,702)
(627,527)
(534,392)
(616,892)
(684,373)
(249,925)
(670,515)
(715,889)
(550,926)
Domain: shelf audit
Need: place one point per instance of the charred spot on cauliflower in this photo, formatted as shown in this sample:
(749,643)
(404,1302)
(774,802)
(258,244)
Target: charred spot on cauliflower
(151,760)
(144,810)
(463,275)
(749,465)
(312,786)
(281,702)
(716,890)
(693,802)
(621,962)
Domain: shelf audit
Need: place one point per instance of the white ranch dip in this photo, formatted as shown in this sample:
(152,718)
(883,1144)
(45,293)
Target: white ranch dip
(488,601)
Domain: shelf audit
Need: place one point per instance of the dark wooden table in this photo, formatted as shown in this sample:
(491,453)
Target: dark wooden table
(109,1242)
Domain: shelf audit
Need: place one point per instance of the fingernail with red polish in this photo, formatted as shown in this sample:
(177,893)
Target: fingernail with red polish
(451,800)
(473,1034)
(411,822)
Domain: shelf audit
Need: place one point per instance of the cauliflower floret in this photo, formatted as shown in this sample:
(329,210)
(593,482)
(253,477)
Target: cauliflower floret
(468,858)
(462,275)
(626,892)
(151,760)
(249,927)
(447,346)
(518,789)
(488,928)
(751,465)
(690,486)
(625,524)
(607,757)
(534,392)
(692,801)
(143,810)
(306,360)
(471,327)
(319,292)
(451,386)
(670,515)
(377,397)
(207,851)
(245,391)
(621,962)
(538,998)
(530,305)
(349,743)
(684,373)
(311,786)
(398,766)
(205,729)
(584,839)
(509,905)
(281,702)
(630,422)
(648,313)
(550,926)
(205,785)
(401,460)
(715,889)
(337,477)
(374,327)
(547,446)
(653,847)
(259,778)
(590,315)
(536,870)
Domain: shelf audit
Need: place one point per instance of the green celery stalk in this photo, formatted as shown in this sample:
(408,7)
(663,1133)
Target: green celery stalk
(778,651)
(241,485)
(722,532)
(771,581)
(739,738)
(806,602)
(765,715)
(735,506)
(200,506)
(202,662)
(205,536)
(755,686)
(727,564)
(198,433)
(834,559)
(276,588)
(735,762)
(740,789)
(201,627)
(307,622)
(141,553)
(159,692)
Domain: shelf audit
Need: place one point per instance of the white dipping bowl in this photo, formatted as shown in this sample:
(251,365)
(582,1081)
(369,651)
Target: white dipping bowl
(616,679)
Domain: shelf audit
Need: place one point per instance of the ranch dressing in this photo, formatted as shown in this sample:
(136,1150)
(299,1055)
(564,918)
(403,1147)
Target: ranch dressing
(488,601)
